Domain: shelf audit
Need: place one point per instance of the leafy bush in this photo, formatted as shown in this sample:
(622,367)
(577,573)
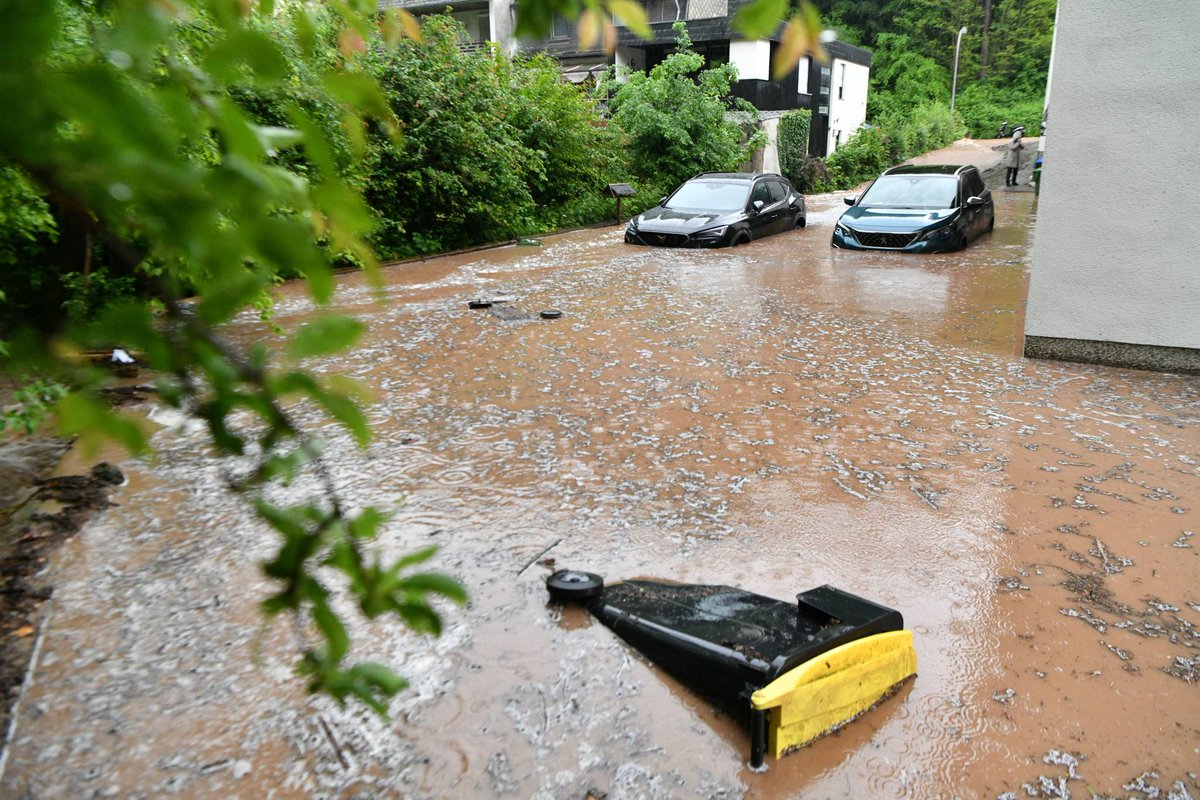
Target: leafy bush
(792,141)
(576,155)
(984,108)
(926,127)
(861,158)
(814,177)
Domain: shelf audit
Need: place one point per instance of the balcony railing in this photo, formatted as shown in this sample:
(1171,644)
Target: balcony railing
(672,10)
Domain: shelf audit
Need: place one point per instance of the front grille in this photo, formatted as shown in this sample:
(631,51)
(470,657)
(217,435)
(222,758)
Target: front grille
(889,240)
(664,239)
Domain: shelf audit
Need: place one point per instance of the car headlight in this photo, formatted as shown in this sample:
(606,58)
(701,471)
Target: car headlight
(712,233)
(843,230)
(938,233)
(633,225)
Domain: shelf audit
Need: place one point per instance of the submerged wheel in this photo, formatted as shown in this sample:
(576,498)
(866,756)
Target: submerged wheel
(740,239)
(569,584)
(991,223)
(801,222)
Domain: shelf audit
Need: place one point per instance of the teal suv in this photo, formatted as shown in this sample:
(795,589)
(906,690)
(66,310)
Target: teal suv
(918,209)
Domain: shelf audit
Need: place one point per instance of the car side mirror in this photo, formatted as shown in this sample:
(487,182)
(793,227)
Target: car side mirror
(974,201)
(757,206)
(851,200)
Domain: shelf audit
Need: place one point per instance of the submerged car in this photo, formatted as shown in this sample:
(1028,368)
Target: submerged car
(918,209)
(719,209)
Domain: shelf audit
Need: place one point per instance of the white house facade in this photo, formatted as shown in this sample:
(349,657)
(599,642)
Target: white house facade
(1115,275)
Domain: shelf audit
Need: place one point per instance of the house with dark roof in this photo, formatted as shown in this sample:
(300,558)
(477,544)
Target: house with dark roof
(835,92)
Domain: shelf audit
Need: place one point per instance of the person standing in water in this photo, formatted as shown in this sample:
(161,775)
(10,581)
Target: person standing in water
(1013,160)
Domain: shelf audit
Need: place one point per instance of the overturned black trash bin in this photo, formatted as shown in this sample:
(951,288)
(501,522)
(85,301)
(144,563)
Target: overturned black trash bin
(791,671)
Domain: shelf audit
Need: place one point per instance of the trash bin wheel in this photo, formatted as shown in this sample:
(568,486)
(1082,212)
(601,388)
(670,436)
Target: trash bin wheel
(569,584)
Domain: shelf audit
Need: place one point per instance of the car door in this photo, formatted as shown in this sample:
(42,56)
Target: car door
(976,216)
(763,222)
(779,206)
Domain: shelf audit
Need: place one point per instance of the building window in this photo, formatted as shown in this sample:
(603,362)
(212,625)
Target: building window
(802,76)
(842,83)
(666,10)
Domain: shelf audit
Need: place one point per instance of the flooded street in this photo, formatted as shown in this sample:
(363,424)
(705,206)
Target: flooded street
(775,417)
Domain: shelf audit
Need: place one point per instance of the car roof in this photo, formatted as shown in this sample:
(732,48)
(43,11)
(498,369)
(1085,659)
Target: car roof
(929,169)
(735,176)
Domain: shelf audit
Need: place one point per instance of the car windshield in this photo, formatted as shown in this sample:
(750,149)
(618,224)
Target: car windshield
(912,191)
(710,196)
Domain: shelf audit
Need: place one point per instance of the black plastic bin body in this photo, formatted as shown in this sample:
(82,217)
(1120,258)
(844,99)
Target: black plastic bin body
(725,643)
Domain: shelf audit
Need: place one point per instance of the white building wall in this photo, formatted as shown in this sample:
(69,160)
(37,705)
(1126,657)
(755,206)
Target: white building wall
(770,153)
(500,19)
(848,111)
(1115,252)
(752,59)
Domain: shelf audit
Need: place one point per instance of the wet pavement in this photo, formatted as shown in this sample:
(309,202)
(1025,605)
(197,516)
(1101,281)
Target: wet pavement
(776,416)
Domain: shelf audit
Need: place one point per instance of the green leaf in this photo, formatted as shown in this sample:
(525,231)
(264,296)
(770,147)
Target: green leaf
(439,584)
(337,639)
(87,416)
(274,139)
(366,524)
(325,336)
(420,617)
(415,557)
(225,299)
(345,411)
(633,15)
(378,677)
(359,91)
(316,146)
(760,18)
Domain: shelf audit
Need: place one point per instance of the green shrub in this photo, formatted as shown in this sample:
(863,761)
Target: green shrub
(792,141)
(814,177)
(862,157)
(983,108)
(676,119)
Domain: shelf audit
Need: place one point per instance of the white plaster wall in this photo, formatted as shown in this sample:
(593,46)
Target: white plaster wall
(848,113)
(770,153)
(500,18)
(752,59)
(1116,252)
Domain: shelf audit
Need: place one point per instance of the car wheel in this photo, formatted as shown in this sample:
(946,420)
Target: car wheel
(740,239)
(961,244)
(800,222)
(991,223)
(569,584)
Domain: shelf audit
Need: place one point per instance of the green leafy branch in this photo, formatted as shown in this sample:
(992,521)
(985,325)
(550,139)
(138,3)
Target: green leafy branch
(124,119)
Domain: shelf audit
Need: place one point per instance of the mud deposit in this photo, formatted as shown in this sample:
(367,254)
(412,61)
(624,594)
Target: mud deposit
(775,417)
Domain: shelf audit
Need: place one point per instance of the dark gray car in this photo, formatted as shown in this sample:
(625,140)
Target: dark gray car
(718,209)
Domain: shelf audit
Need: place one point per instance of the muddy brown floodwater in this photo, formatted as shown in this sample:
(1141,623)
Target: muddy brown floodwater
(776,416)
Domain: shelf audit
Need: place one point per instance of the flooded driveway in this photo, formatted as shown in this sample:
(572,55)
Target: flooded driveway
(776,416)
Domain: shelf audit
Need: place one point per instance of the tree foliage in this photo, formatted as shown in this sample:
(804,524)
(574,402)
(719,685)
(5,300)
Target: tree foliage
(493,148)
(1003,61)
(677,118)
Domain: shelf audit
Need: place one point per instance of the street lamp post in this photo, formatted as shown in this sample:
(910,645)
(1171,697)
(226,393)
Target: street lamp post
(954,84)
